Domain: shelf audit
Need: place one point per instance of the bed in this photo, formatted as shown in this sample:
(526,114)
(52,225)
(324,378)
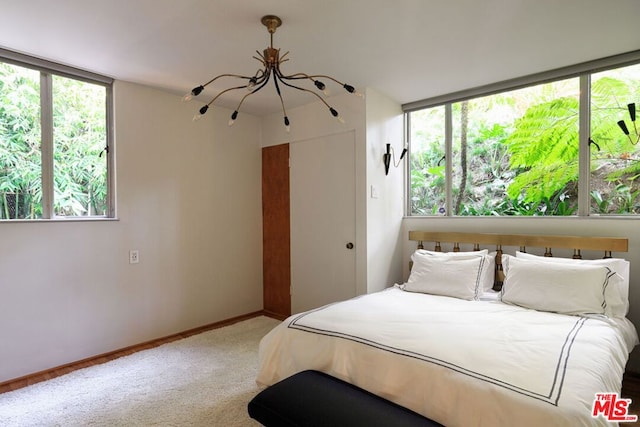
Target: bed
(477,337)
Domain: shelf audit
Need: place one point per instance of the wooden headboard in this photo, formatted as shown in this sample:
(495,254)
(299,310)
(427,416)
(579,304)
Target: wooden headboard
(520,241)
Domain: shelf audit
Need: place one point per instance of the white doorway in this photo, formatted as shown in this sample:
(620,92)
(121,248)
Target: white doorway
(323,204)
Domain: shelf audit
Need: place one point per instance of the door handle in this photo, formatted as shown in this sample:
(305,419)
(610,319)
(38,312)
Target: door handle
(349,245)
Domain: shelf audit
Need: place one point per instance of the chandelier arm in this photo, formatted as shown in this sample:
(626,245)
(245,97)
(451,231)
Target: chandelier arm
(234,115)
(261,58)
(326,77)
(246,95)
(297,76)
(223,92)
(300,76)
(320,85)
(225,75)
(333,111)
(259,73)
(256,81)
(275,80)
(262,84)
(279,75)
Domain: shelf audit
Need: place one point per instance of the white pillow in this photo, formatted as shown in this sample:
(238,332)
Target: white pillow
(617,297)
(455,254)
(457,277)
(488,269)
(575,289)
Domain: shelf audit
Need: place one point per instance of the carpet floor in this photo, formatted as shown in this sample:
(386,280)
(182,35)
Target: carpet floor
(203,380)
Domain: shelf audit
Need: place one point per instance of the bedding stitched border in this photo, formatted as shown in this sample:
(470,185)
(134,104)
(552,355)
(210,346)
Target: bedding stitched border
(551,397)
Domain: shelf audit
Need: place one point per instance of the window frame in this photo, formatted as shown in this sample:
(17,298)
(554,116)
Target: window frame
(47,70)
(583,71)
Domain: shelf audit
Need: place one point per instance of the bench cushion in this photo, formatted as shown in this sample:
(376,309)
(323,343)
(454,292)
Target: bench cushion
(312,398)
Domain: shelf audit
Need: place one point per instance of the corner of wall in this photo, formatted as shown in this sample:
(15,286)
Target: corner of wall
(385,192)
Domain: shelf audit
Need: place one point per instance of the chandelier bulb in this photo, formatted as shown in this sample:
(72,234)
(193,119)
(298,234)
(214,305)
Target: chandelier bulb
(233,118)
(352,90)
(321,86)
(252,83)
(335,114)
(194,92)
(286,124)
(197,90)
(202,111)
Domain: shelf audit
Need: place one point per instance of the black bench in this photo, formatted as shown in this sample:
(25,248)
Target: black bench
(315,399)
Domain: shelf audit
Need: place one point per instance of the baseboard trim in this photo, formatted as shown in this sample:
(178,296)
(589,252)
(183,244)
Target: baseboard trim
(57,371)
(273,315)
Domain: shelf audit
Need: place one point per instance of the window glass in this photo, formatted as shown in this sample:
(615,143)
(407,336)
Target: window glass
(514,153)
(79,148)
(521,152)
(20,157)
(480,161)
(427,161)
(615,154)
(54,134)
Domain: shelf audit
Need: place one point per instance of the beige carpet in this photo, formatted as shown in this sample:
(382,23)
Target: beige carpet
(203,380)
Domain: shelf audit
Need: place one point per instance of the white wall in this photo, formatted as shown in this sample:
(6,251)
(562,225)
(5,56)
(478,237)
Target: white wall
(608,227)
(375,121)
(189,199)
(313,121)
(385,208)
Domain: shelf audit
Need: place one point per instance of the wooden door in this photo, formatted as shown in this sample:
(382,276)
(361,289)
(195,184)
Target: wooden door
(276,257)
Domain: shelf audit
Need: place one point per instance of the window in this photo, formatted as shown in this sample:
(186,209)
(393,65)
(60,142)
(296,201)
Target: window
(55,136)
(615,156)
(519,147)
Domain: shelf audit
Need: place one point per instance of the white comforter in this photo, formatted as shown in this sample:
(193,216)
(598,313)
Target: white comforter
(460,363)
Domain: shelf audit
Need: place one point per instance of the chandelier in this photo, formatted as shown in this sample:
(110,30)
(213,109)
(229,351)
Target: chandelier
(271,60)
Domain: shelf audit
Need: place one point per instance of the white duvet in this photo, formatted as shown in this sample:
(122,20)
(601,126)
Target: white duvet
(460,363)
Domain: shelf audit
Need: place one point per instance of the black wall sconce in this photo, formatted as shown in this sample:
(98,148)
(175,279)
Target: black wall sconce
(386,158)
(632,115)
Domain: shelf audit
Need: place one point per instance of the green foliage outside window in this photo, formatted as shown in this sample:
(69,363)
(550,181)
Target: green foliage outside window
(80,167)
(79,140)
(522,151)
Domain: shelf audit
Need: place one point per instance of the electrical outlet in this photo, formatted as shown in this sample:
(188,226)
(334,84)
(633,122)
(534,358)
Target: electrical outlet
(134,256)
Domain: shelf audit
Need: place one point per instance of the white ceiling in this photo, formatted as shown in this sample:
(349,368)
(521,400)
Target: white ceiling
(406,49)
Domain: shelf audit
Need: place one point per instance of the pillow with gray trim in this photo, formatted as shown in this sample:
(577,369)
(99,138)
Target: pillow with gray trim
(574,289)
(457,277)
